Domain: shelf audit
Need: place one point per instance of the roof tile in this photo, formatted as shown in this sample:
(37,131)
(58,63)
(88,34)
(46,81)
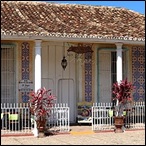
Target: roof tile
(37,18)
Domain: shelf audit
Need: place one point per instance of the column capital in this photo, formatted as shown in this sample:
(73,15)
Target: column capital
(38,41)
(119,45)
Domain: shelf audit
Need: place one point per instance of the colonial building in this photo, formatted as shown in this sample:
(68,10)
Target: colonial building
(100,45)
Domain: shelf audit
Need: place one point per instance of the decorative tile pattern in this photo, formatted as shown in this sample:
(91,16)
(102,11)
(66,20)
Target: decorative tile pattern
(25,68)
(25,60)
(88,77)
(138,72)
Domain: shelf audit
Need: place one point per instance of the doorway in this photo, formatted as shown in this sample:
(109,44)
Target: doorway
(66,95)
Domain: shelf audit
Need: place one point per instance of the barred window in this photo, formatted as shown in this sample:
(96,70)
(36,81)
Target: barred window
(8,79)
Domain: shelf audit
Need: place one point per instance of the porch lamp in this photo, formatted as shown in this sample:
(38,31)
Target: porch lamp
(64,63)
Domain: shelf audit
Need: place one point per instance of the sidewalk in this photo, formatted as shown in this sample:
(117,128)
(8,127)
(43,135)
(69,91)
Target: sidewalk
(81,136)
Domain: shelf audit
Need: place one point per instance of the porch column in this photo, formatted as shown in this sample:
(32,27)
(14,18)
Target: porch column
(37,74)
(119,61)
(37,64)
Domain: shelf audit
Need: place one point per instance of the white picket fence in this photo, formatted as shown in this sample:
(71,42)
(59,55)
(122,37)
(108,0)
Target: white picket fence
(17,119)
(59,119)
(103,116)
(101,119)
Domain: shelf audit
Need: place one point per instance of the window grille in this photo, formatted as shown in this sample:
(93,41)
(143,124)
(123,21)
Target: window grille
(8,81)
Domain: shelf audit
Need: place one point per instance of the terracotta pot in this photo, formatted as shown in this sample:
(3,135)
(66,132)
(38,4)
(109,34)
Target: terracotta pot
(119,124)
(41,125)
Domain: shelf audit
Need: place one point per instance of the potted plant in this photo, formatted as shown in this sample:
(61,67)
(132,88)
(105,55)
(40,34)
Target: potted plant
(40,106)
(122,95)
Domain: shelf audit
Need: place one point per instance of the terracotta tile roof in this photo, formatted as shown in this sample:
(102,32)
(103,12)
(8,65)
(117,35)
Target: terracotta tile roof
(70,20)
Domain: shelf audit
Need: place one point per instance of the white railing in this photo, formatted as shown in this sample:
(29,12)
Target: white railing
(136,118)
(17,119)
(59,118)
(103,116)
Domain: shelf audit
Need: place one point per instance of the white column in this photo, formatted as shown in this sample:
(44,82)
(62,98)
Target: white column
(37,64)
(119,61)
(37,74)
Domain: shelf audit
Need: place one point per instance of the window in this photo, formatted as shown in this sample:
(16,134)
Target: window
(8,81)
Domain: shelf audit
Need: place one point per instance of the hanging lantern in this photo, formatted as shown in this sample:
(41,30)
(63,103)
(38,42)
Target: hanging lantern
(64,63)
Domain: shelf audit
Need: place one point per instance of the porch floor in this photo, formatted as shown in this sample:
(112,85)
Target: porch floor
(81,127)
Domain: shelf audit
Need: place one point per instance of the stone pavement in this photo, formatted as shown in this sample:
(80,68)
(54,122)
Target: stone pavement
(81,136)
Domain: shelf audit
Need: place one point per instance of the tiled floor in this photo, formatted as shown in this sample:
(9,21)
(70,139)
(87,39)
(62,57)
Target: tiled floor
(81,127)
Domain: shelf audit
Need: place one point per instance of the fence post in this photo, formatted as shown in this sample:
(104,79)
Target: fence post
(35,130)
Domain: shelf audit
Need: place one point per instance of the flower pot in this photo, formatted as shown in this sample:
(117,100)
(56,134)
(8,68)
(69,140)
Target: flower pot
(119,124)
(41,126)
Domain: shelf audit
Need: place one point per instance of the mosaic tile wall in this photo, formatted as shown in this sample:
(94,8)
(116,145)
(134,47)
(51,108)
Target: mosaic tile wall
(25,72)
(138,73)
(88,77)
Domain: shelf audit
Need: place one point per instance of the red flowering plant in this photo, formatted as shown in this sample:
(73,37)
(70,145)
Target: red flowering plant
(40,106)
(122,94)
